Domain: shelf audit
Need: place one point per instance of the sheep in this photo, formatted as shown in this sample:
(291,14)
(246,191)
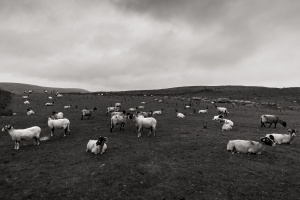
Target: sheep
(133,109)
(271,119)
(97,146)
(26,102)
(118,119)
(141,123)
(141,107)
(25,97)
(59,95)
(160,101)
(283,138)
(23,134)
(118,113)
(49,104)
(86,112)
(226,121)
(66,107)
(221,110)
(57,115)
(46,92)
(118,104)
(50,97)
(187,106)
(146,114)
(30,91)
(58,123)
(158,112)
(111,109)
(250,147)
(179,115)
(204,111)
(217,117)
(143,102)
(30,112)
(226,127)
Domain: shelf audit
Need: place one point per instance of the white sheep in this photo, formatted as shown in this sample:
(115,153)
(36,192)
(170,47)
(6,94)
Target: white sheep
(118,104)
(26,102)
(141,107)
(283,138)
(143,102)
(57,115)
(225,121)
(50,97)
(222,110)
(23,134)
(270,119)
(118,120)
(248,146)
(112,109)
(46,91)
(30,112)
(59,95)
(226,127)
(88,113)
(58,123)
(118,113)
(67,107)
(146,114)
(141,123)
(133,109)
(179,115)
(217,117)
(158,112)
(97,146)
(25,97)
(49,104)
(204,111)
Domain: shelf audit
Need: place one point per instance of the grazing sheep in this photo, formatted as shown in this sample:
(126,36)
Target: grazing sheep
(221,110)
(158,112)
(204,111)
(141,123)
(30,91)
(247,146)
(283,138)
(30,112)
(112,109)
(97,146)
(26,102)
(217,117)
(118,119)
(57,115)
(23,134)
(270,119)
(58,123)
(86,112)
(179,115)
(49,104)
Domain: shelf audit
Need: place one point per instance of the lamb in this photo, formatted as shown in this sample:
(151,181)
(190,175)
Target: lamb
(58,123)
(97,146)
(247,146)
(271,119)
(222,110)
(26,102)
(159,112)
(86,112)
(283,138)
(118,119)
(57,115)
(204,111)
(141,123)
(49,104)
(179,115)
(23,134)
(30,112)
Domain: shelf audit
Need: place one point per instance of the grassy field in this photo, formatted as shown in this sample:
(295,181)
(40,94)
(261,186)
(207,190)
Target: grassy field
(183,161)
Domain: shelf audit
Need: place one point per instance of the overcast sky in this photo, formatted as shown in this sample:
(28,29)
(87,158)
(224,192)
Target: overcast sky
(150,44)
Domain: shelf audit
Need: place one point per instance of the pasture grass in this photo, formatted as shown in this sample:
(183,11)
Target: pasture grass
(183,161)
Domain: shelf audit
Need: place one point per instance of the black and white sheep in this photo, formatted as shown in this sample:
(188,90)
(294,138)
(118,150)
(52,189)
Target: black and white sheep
(57,115)
(248,146)
(88,113)
(270,119)
(283,138)
(204,111)
(57,124)
(179,115)
(23,134)
(141,122)
(118,120)
(222,110)
(30,112)
(97,146)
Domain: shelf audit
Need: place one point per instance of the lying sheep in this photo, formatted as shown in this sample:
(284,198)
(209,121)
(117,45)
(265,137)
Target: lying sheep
(58,123)
(179,115)
(67,107)
(217,117)
(247,146)
(283,138)
(226,127)
(118,120)
(26,102)
(270,119)
(118,113)
(88,113)
(225,121)
(204,111)
(141,123)
(133,109)
(97,146)
(49,104)
(159,112)
(57,115)
(141,107)
(30,112)
(221,110)
(25,97)
(23,134)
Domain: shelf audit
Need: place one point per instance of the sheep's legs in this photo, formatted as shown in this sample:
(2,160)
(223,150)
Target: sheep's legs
(271,125)
(66,130)
(52,132)
(16,143)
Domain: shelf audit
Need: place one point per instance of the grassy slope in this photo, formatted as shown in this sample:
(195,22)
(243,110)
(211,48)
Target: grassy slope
(183,161)
(19,88)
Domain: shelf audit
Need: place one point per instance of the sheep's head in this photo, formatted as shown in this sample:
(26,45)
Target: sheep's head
(101,140)
(95,108)
(6,127)
(268,140)
(293,132)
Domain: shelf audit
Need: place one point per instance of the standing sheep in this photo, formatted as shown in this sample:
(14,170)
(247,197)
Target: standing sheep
(58,123)
(270,119)
(222,110)
(141,122)
(86,112)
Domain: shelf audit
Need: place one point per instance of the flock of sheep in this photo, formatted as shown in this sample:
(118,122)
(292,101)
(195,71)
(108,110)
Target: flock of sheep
(145,120)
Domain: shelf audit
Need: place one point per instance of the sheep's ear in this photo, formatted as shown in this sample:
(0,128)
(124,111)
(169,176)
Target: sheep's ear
(271,137)
(263,139)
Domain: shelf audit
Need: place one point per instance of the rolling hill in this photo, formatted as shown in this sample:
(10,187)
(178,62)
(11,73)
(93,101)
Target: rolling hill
(19,88)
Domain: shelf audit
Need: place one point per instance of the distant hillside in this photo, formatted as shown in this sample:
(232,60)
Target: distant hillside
(19,88)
